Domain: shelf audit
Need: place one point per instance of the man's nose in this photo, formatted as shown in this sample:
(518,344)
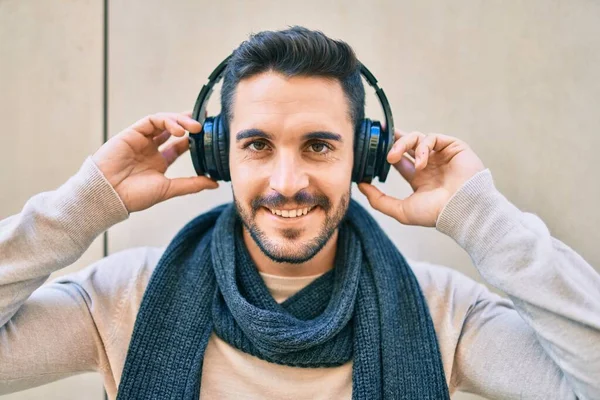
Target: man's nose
(288,176)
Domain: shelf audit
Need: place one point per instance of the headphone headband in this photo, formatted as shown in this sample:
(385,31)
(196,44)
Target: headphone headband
(199,113)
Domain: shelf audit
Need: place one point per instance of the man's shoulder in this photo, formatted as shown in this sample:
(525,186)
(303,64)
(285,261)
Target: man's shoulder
(113,287)
(121,275)
(121,265)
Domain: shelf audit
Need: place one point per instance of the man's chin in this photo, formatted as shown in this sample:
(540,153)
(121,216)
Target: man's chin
(289,237)
(289,258)
(281,249)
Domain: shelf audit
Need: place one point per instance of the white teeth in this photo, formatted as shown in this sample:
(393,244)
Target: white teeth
(291,213)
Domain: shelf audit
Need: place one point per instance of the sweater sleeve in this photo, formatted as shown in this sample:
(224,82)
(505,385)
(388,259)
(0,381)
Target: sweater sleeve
(545,341)
(48,333)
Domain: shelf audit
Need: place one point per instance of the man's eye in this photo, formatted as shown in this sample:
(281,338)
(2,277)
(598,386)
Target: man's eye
(257,145)
(319,147)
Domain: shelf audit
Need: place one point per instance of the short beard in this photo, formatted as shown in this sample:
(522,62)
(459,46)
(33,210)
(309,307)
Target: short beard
(309,250)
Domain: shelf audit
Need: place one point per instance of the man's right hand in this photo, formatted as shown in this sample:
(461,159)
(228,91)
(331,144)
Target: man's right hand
(135,166)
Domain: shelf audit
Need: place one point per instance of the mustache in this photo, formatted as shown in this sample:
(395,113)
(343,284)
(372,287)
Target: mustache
(301,199)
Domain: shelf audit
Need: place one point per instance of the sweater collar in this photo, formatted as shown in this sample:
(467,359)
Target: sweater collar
(282,287)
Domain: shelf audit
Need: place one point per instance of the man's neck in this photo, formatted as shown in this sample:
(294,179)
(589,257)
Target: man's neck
(322,262)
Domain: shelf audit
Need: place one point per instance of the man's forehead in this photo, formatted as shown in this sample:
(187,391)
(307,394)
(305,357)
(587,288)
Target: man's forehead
(276,98)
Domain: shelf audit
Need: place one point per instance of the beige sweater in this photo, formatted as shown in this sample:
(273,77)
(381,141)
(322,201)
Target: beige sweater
(542,343)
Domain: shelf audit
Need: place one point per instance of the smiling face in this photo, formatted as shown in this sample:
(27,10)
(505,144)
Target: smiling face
(291,155)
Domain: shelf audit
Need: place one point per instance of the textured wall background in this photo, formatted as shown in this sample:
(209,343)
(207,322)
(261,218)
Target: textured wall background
(517,80)
(51,89)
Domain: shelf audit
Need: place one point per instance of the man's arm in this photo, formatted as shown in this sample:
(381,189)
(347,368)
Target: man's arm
(49,333)
(548,346)
(555,292)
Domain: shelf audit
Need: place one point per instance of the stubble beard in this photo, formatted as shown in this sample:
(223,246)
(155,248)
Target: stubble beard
(293,253)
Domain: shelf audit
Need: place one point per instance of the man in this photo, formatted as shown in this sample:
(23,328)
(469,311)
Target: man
(294,292)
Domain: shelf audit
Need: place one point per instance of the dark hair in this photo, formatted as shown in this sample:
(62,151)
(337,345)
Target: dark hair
(296,51)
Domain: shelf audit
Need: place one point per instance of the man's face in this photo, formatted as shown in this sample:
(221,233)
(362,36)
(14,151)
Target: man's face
(290,149)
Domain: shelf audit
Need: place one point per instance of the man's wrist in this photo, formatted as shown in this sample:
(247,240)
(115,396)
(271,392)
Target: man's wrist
(477,216)
(87,204)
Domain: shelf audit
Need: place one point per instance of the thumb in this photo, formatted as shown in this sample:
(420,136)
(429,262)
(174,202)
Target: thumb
(183,186)
(384,203)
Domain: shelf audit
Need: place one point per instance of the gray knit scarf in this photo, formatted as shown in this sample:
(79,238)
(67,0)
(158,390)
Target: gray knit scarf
(369,308)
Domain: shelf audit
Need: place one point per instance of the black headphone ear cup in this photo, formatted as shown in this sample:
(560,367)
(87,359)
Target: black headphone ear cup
(370,154)
(373,158)
(206,149)
(196,144)
(361,140)
(221,140)
(384,145)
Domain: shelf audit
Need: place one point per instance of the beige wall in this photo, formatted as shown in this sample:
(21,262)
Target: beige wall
(51,115)
(519,81)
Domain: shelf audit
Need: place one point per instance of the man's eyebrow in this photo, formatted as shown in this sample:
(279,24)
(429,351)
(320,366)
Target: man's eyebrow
(253,132)
(323,135)
(257,133)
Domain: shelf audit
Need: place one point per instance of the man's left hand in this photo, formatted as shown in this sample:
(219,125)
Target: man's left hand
(442,164)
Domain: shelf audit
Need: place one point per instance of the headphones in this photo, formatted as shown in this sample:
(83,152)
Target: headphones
(209,149)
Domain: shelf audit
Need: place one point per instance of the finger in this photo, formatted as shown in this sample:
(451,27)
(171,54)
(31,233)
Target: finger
(397,135)
(409,140)
(175,149)
(189,113)
(406,167)
(188,123)
(155,124)
(183,186)
(425,146)
(146,127)
(174,127)
(443,141)
(404,144)
(151,125)
(162,138)
(384,203)
(433,142)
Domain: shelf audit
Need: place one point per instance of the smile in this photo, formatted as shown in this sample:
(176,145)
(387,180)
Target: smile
(300,212)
